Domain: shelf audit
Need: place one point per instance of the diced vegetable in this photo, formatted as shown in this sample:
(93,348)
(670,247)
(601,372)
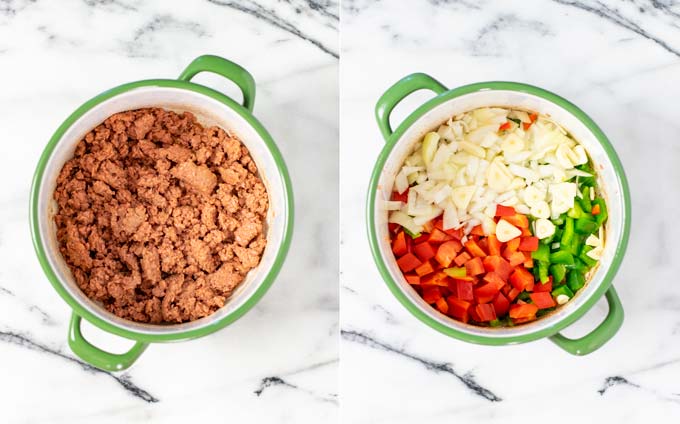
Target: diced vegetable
(494,217)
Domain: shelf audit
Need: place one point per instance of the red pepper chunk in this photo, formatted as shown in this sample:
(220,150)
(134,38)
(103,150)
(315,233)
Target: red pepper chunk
(399,245)
(485,313)
(523,311)
(494,245)
(526,125)
(521,278)
(424,251)
(462,259)
(517,258)
(542,300)
(408,262)
(596,209)
(437,236)
(505,210)
(474,267)
(464,290)
(447,252)
(442,305)
(543,287)
(498,265)
(431,294)
(424,269)
(518,220)
(501,304)
(528,244)
(474,249)
(504,126)
(458,308)
(533,117)
(412,279)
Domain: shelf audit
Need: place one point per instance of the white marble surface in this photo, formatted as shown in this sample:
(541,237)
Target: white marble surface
(619,61)
(278,363)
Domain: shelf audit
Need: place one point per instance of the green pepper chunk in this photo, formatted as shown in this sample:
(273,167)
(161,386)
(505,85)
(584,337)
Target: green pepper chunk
(565,290)
(575,247)
(543,271)
(576,211)
(585,200)
(587,181)
(542,254)
(524,296)
(585,258)
(495,323)
(568,232)
(558,272)
(585,225)
(578,265)
(586,167)
(602,216)
(575,280)
(561,257)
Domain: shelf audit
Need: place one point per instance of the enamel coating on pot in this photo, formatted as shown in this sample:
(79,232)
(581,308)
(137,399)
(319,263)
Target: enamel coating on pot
(503,94)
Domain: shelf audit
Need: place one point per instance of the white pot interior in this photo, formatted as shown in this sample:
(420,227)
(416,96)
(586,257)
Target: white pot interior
(609,183)
(209,112)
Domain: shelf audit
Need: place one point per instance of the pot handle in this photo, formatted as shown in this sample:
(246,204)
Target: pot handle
(397,93)
(226,68)
(600,335)
(96,357)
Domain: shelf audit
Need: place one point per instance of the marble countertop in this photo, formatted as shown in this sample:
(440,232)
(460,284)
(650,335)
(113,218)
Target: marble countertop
(276,364)
(620,62)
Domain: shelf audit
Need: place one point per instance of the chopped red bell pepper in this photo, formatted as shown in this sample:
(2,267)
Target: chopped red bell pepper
(526,310)
(543,287)
(518,220)
(424,269)
(477,231)
(485,313)
(596,209)
(412,279)
(504,126)
(474,266)
(458,308)
(521,278)
(526,125)
(464,290)
(542,300)
(533,117)
(408,262)
(528,244)
(516,258)
(435,279)
(447,252)
(494,245)
(431,294)
(498,265)
(442,305)
(437,236)
(474,249)
(505,210)
(424,251)
(462,258)
(399,245)
(501,304)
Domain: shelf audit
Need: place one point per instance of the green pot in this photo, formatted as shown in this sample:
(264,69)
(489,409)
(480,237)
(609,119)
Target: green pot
(428,117)
(211,108)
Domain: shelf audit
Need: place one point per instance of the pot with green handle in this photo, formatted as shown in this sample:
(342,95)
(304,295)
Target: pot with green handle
(612,180)
(211,108)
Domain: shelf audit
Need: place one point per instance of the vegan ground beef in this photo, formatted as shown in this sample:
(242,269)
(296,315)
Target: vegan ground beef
(159,218)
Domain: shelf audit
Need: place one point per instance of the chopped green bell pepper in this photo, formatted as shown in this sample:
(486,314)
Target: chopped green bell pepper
(558,272)
(602,216)
(575,280)
(565,290)
(585,225)
(542,271)
(586,205)
(568,232)
(561,257)
(456,272)
(542,254)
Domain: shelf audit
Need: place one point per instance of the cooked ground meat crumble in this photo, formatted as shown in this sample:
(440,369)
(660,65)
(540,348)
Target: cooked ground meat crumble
(159,218)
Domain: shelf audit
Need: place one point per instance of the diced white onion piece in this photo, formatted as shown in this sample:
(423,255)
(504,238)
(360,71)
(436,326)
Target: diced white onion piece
(401,182)
(555,246)
(450,217)
(523,209)
(462,195)
(393,205)
(488,225)
(562,153)
(430,142)
(405,221)
(472,149)
(580,154)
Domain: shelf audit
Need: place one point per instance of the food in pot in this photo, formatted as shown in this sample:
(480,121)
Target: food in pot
(497,219)
(160,219)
